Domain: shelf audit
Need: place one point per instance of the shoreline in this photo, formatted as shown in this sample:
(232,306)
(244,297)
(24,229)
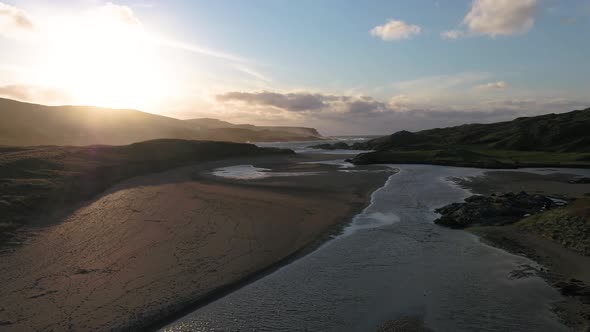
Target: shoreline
(573,311)
(559,265)
(332,199)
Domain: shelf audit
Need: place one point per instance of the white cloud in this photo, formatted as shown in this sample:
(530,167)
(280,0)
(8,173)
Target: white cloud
(501,17)
(496,17)
(499,85)
(395,30)
(14,21)
(452,34)
(120,13)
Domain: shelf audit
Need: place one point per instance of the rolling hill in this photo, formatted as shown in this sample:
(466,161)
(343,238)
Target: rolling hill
(565,132)
(24,124)
(558,140)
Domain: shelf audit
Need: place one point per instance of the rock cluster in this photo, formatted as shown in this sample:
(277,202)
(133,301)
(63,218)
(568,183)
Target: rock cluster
(492,210)
(583,180)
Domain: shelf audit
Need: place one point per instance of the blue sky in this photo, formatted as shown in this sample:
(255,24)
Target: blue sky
(342,66)
(323,42)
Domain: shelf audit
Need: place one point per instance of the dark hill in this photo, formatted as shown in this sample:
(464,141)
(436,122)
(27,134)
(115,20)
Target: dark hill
(558,140)
(566,132)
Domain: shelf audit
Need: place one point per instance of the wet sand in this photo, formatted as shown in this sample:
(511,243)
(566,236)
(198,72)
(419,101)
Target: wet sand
(561,264)
(154,246)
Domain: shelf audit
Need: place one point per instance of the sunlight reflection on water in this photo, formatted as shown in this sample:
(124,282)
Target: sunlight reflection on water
(249,172)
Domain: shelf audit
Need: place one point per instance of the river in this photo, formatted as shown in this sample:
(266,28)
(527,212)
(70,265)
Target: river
(392,262)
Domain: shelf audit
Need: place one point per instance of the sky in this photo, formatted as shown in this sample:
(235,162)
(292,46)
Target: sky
(341,66)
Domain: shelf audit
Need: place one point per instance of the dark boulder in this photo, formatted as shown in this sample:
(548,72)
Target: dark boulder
(492,210)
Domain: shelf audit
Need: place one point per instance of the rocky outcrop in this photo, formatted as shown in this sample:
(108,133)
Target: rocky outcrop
(492,210)
(328,146)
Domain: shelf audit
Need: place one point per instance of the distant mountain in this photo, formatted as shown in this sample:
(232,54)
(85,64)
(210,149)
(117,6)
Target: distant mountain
(287,131)
(31,124)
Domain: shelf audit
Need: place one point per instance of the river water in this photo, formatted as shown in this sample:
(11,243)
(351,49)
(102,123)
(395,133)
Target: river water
(392,262)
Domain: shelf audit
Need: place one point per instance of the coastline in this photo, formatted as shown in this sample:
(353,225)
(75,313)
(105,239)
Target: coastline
(171,267)
(560,266)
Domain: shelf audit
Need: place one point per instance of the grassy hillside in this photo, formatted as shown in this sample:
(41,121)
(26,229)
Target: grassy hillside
(37,179)
(546,140)
(26,124)
(566,132)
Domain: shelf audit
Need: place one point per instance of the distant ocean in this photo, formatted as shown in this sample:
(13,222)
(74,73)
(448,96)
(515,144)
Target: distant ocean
(303,147)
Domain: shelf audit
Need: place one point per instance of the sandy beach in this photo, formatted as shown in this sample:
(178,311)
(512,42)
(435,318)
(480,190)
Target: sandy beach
(155,246)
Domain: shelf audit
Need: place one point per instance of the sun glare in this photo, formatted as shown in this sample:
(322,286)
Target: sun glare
(103,60)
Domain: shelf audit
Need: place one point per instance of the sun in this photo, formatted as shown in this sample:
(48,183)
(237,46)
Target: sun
(105,60)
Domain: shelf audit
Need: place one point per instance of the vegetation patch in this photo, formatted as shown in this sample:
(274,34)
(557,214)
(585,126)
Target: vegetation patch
(568,226)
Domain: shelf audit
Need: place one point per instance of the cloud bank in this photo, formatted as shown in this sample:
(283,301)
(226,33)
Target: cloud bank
(364,114)
(306,102)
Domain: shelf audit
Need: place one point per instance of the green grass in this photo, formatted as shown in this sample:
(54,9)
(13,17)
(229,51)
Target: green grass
(477,156)
(535,156)
(568,226)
